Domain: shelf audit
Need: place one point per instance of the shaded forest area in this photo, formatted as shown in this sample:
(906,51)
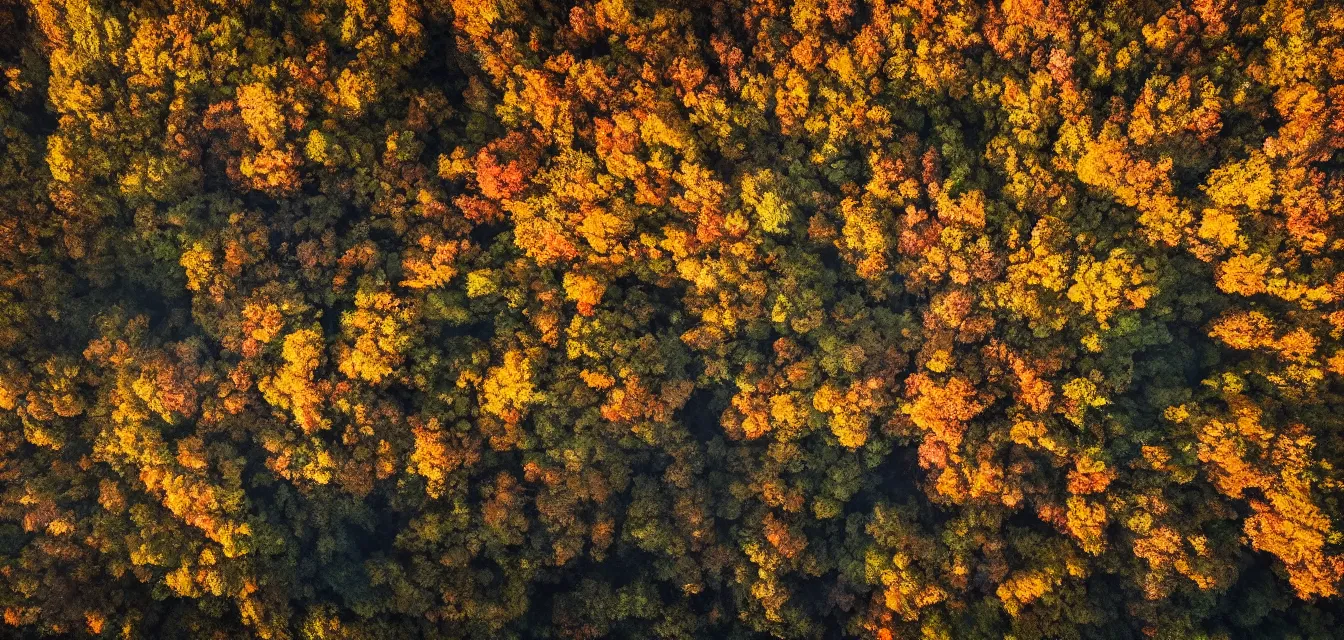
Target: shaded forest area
(898,319)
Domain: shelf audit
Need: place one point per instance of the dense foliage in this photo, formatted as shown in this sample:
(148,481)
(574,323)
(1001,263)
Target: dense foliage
(633,318)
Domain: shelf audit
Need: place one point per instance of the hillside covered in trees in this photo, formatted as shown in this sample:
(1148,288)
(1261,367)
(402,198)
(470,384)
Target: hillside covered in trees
(573,319)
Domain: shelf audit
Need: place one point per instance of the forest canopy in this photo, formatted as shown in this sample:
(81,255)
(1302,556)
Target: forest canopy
(676,319)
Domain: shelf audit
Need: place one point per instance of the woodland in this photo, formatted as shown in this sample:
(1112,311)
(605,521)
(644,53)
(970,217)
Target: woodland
(672,319)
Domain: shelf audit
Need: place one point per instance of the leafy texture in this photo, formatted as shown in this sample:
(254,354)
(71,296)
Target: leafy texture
(629,318)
